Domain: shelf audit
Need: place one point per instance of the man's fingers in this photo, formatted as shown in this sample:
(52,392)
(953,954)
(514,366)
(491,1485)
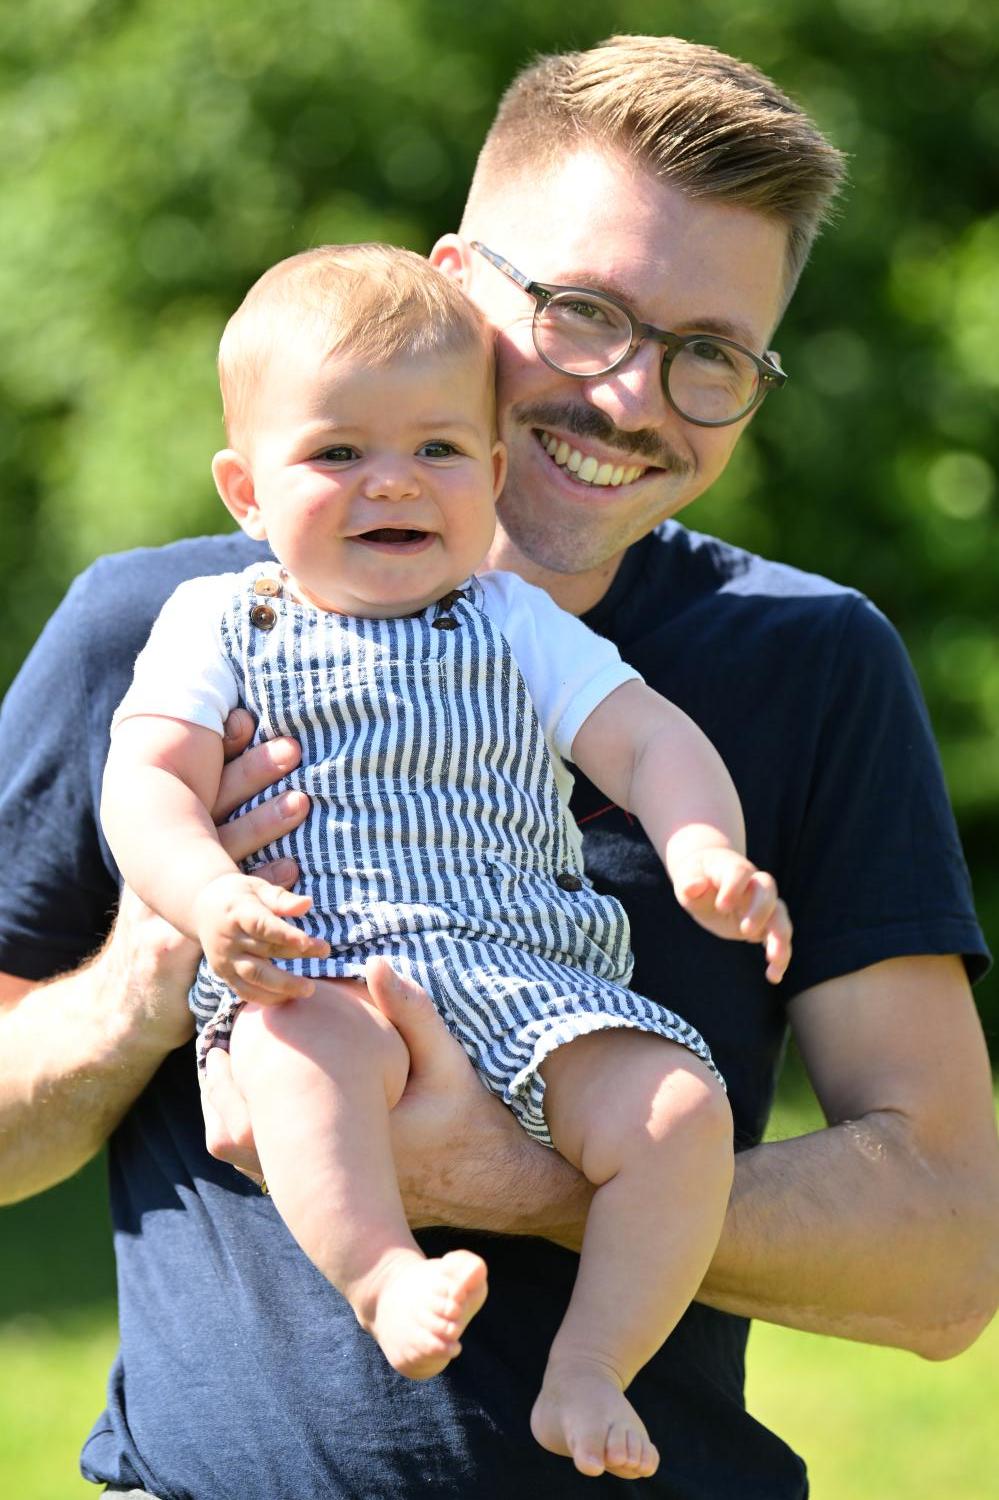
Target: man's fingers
(277,872)
(252,772)
(263,825)
(228,1132)
(412,1013)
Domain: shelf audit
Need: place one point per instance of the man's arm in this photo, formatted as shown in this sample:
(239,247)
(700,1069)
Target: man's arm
(883,1227)
(77,1050)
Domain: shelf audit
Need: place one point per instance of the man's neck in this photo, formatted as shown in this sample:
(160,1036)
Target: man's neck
(574,592)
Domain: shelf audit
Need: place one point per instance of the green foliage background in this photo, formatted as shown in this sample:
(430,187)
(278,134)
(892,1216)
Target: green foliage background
(157,154)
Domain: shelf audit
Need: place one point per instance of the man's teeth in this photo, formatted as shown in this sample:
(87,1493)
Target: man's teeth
(587,469)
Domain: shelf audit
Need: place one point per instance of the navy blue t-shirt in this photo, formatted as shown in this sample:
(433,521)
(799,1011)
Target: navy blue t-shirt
(242,1375)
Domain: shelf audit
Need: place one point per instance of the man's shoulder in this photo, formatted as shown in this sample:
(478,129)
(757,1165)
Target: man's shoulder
(689,573)
(160,570)
(709,564)
(123,592)
(686,602)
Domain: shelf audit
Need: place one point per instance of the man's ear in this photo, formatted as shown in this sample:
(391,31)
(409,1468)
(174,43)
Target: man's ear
(499,469)
(234,482)
(453,256)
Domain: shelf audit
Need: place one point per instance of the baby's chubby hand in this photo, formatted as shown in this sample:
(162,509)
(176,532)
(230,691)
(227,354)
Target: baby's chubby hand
(730,897)
(241,924)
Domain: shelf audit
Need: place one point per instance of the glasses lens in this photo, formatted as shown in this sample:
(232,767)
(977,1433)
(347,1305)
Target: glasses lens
(711,381)
(581,334)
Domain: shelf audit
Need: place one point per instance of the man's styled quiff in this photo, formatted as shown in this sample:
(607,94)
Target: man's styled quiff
(369,302)
(709,124)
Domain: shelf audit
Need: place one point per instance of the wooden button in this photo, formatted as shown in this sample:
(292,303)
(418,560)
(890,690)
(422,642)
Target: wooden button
(267,586)
(263,617)
(566,881)
(446,622)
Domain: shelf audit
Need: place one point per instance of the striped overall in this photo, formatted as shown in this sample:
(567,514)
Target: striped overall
(437,836)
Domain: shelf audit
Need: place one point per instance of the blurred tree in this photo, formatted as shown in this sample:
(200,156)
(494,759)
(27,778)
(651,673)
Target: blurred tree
(157,154)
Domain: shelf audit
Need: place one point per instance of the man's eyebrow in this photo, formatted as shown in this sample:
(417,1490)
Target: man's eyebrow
(724,328)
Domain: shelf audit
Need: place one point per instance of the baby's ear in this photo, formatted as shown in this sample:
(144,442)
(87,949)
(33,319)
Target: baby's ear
(234,482)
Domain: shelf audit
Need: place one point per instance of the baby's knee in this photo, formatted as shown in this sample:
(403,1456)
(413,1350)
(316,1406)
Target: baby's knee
(692,1105)
(335,1028)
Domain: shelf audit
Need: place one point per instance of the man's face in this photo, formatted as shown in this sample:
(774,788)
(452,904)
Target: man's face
(683,265)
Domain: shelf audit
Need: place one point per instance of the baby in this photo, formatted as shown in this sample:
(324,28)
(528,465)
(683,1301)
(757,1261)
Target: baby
(436,709)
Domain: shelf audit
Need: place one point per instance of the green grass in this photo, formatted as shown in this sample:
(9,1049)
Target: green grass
(57,1335)
(874,1424)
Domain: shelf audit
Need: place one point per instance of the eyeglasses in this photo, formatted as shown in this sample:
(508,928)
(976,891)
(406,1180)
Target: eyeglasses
(708,380)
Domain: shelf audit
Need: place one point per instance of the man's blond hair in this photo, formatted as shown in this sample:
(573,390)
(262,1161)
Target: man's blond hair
(707,123)
(368,302)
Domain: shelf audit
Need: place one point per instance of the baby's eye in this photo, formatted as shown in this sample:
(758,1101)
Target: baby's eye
(438,448)
(342,453)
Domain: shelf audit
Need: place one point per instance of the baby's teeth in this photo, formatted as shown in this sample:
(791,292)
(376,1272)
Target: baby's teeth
(574,460)
(561,452)
(588,469)
(617,475)
(603,474)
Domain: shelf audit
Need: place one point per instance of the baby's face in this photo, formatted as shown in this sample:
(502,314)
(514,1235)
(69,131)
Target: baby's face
(374,485)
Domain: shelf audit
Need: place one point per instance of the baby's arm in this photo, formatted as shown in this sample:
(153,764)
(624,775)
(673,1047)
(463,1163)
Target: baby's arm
(161,778)
(649,757)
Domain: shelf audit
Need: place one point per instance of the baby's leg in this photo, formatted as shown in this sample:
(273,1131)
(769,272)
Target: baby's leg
(320,1076)
(650,1127)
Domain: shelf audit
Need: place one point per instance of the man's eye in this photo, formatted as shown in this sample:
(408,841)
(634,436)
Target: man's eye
(438,448)
(341,454)
(710,352)
(586,311)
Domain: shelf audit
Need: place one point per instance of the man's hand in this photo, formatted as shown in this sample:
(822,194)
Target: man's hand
(461,1158)
(728,896)
(449,1133)
(79,1049)
(440,1108)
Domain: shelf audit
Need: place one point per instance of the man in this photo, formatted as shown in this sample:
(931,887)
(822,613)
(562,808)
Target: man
(667,188)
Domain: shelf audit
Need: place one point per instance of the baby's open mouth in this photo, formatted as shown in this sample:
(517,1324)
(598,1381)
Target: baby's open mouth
(396,538)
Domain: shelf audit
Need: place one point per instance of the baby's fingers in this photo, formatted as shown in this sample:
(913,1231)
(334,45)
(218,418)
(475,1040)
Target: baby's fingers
(256,979)
(777,944)
(260,917)
(759,901)
(730,875)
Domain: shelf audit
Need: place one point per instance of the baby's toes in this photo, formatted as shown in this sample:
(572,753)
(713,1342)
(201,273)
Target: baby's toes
(630,1453)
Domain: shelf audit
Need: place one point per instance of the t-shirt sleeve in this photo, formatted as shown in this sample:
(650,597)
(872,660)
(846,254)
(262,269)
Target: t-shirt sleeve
(56,891)
(182,672)
(569,669)
(878,868)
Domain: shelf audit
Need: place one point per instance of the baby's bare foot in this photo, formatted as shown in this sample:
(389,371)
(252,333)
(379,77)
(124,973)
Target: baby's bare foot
(583,1414)
(423,1307)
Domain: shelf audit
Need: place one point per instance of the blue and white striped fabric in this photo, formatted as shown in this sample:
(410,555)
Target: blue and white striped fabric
(437,835)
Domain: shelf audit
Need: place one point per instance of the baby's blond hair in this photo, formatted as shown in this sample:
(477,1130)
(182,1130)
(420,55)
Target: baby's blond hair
(369,302)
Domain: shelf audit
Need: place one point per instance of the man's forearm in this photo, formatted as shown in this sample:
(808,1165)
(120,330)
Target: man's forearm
(847,1232)
(855,1233)
(74,1054)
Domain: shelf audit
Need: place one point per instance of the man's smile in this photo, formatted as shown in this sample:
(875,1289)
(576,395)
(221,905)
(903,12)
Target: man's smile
(585,466)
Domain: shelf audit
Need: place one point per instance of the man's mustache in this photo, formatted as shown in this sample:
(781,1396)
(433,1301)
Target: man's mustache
(587,421)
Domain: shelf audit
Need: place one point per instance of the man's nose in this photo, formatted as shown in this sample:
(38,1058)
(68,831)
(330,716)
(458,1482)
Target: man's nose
(632,395)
